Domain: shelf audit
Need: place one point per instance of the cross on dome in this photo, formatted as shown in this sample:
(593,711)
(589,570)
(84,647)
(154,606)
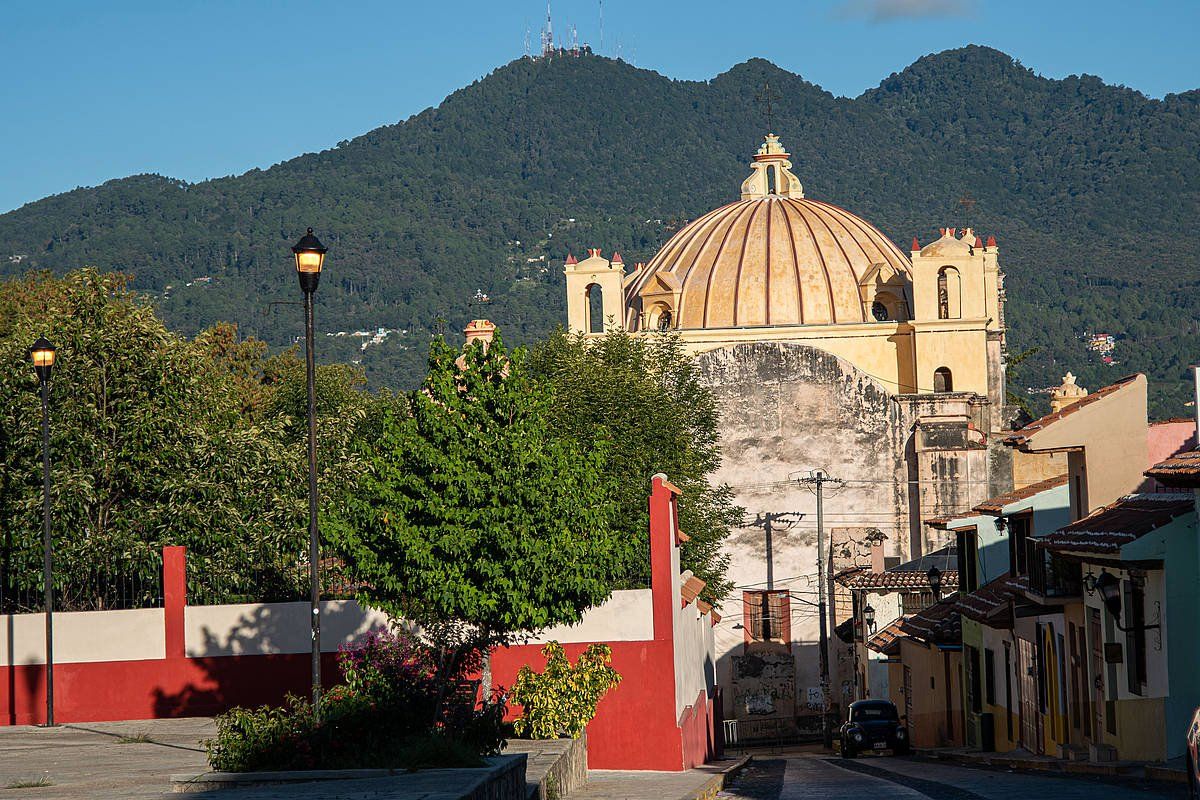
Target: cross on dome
(771,174)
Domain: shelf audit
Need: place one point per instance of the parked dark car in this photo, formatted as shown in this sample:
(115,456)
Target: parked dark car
(873,725)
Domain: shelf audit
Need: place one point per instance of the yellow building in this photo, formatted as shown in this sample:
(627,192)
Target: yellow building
(830,350)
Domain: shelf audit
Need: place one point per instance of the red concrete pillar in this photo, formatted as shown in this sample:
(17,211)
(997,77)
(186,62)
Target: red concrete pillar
(174,599)
(663,540)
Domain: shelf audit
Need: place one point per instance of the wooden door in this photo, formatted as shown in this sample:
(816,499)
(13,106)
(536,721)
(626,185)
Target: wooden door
(908,698)
(1097,659)
(1027,696)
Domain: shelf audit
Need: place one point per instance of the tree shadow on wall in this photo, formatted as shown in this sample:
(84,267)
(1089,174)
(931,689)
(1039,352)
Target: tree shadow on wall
(262,658)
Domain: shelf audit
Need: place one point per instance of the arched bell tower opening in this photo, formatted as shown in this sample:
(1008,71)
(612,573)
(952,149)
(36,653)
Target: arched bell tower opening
(949,288)
(595,320)
(595,293)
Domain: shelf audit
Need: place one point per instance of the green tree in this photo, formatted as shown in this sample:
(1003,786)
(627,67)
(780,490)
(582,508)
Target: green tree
(471,508)
(642,398)
(150,447)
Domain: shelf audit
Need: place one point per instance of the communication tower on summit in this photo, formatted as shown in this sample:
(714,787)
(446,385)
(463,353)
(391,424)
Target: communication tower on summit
(548,35)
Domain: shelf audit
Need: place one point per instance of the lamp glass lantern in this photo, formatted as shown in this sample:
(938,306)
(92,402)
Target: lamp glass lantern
(869,617)
(42,354)
(1109,588)
(310,257)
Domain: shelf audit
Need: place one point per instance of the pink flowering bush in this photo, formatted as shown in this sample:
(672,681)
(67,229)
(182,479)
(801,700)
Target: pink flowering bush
(401,704)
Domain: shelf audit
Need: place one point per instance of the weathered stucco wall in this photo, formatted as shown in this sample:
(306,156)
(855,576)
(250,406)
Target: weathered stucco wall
(788,409)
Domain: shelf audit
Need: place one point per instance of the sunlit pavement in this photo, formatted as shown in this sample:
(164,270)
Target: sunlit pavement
(796,775)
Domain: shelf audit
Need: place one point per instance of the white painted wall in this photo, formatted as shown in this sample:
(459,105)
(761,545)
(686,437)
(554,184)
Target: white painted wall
(628,616)
(83,637)
(252,629)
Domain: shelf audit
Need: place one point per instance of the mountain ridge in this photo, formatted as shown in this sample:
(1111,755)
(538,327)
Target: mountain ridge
(468,195)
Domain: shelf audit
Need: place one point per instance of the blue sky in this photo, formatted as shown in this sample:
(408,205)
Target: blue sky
(93,91)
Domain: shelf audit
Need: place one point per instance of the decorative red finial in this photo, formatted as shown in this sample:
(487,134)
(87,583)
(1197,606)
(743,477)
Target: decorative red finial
(991,241)
(571,259)
(916,245)
(616,259)
(978,242)
(593,252)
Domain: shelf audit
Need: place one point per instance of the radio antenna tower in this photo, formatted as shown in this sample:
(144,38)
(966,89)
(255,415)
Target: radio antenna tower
(527,40)
(601,26)
(548,34)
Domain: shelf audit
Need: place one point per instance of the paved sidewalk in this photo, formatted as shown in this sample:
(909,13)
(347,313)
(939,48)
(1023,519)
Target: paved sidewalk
(99,759)
(701,783)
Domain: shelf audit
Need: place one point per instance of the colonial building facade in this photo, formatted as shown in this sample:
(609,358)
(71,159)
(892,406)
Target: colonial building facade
(832,353)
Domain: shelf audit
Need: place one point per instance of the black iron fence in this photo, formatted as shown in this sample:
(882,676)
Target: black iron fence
(128,587)
(97,588)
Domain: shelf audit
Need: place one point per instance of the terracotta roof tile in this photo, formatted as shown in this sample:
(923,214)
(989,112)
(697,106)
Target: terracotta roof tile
(886,640)
(1181,469)
(1116,525)
(899,580)
(991,603)
(996,504)
(1022,436)
(691,589)
(938,624)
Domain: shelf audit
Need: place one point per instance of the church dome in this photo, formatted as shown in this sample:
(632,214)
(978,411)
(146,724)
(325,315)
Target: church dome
(772,258)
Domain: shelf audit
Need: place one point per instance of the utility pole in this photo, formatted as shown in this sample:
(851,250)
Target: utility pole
(817,479)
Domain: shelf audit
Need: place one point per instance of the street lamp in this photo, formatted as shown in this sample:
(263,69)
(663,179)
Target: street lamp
(869,618)
(42,354)
(935,582)
(310,257)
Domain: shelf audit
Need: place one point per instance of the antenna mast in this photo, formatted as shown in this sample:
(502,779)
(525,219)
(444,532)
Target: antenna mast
(601,26)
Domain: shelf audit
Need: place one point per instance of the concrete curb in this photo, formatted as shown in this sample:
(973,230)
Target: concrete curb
(718,782)
(497,768)
(1116,770)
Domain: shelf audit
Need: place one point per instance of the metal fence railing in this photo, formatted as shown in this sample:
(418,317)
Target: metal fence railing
(208,583)
(92,589)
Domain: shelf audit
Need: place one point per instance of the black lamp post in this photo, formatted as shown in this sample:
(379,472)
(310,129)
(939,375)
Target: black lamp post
(869,618)
(935,582)
(310,257)
(42,354)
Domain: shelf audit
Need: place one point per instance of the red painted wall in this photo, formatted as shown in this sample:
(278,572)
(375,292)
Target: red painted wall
(636,726)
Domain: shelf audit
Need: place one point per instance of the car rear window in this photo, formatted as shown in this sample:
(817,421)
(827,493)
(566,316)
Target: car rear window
(863,713)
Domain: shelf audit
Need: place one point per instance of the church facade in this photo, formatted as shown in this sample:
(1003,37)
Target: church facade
(833,355)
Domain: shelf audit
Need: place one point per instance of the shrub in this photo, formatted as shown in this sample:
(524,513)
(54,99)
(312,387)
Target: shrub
(562,699)
(391,711)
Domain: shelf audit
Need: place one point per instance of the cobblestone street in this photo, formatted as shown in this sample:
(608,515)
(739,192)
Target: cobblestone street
(816,777)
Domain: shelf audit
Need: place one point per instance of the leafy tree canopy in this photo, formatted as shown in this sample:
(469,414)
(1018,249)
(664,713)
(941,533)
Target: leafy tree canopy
(473,508)
(155,440)
(641,398)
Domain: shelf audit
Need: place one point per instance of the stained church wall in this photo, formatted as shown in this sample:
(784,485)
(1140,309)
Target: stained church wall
(787,409)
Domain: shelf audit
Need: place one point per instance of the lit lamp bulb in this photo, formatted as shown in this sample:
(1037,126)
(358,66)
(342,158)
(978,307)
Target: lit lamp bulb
(42,355)
(310,257)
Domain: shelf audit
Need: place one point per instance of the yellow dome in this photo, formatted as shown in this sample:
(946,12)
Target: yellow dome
(772,258)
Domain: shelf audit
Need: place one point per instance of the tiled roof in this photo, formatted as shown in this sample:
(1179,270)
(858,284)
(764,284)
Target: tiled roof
(937,624)
(992,603)
(899,580)
(848,574)
(885,641)
(1181,469)
(996,504)
(1022,436)
(691,588)
(1114,526)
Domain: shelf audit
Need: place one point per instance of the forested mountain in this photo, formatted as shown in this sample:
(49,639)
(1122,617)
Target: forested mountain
(1092,191)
